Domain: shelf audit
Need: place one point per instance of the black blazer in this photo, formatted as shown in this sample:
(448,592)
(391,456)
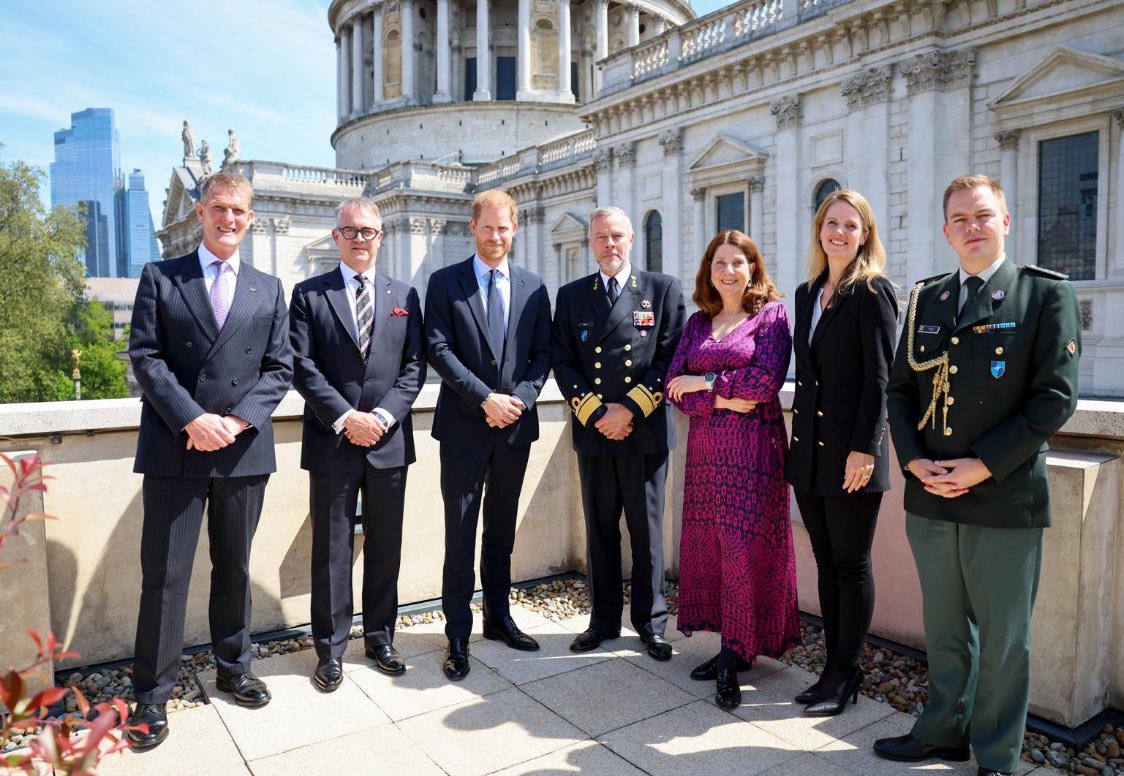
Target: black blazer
(331,375)
(619,354)
(186,366)
(841,376)
(459,350)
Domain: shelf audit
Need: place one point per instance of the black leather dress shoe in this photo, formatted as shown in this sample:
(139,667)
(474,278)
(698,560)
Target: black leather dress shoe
(153,715)
(508,632)
(456,665)
(591,638)
(387,659)
(659,648)
(708,671)
(908,749)
(727,691)
(247,689)
(992,772)
(329,674)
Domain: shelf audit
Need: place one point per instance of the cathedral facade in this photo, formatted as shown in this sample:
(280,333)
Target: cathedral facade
(744,118)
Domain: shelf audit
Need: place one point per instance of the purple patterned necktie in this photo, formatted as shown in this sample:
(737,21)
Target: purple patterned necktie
(220,291)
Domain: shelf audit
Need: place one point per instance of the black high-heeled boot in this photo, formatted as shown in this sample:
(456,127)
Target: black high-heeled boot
(835,695)
(813,693)
(727,692)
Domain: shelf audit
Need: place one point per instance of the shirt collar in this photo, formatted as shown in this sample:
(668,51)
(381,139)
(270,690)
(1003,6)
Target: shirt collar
(206,259)
(349,274)
(986,273)
(622,276)
(481,269)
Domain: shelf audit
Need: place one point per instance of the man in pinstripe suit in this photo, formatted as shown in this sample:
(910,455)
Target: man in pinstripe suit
(210,349)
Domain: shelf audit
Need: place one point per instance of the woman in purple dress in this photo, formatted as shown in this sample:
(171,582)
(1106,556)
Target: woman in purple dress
(737,570)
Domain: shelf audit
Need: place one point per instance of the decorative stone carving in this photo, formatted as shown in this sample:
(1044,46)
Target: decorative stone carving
(1086,306)
(281,225)
(937,70)
(188,141)
(1008,141)
(260,227)
(1119,116)
(625,154)
(756,182)
(787,111)
(603,159)
(868,86)
(417,225)
(437,226)
(672,141)
(698,194)
(230,154)
(205,157)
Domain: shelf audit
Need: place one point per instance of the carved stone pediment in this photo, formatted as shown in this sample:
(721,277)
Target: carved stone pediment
(180,203)
(726,158)
(568,228)
(1066,77)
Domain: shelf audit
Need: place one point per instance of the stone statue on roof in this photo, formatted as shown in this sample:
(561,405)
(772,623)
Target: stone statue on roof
(188,141)
(231,152)
(205,157)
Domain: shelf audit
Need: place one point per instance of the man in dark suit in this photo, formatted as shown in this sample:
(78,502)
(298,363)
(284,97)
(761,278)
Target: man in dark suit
(358,362)
(986,372)
(487,326)
(615,333)
(210,349)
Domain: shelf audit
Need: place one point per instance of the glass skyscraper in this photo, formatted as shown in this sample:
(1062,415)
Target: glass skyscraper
(136,238)
(85,171)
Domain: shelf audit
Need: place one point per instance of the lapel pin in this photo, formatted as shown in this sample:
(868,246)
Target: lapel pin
(646,304)
(998,294)
(944,296)
(388,290)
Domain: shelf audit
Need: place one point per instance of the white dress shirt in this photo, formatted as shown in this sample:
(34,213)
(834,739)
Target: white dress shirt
(622,278)
(984,275)
(503,284)
(211,273)
(352,285)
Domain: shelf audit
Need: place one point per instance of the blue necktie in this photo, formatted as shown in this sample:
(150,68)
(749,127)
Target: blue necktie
(495,317)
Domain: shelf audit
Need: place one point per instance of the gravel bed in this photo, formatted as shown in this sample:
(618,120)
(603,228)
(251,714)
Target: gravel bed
(898,680)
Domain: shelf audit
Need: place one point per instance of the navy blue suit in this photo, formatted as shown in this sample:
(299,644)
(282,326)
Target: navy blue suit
(333,377)
(187,366)
(473,454)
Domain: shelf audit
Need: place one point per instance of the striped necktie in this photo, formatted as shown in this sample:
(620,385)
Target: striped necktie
(364,315)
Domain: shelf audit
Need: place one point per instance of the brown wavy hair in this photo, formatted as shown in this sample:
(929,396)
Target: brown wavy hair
(758,293)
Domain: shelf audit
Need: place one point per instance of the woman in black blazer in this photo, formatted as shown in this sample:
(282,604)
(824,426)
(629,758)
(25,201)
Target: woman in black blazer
(846,317)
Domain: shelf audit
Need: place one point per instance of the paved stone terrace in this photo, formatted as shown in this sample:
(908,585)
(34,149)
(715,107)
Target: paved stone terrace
(610,711)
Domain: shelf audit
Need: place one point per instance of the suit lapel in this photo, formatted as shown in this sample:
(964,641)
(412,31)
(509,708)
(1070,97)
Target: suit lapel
(194,290)
(471,291)
(825,319)
(381,311)
(801,346)
(336,294)
(985,303)
(625,304)
(947,301)
(246,292)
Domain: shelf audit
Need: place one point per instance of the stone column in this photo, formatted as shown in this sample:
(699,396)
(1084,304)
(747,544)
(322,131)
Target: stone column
(627,191)
(565,88)
(603,161)
(376,47)
(483,55)
(341,78)
(406,11)
(523,52)
(672,186)
(757,208)
(356,65)
(633,25)
(868,124)
(601,26)
(701,231)
(1009,180)
(345,72)
(790,210)
(1116,266)
(444,61)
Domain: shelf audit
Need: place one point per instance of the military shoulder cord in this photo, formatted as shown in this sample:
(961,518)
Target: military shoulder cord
(941,384)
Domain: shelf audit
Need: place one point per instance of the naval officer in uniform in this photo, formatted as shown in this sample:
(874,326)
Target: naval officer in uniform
(615,332)
(985,373)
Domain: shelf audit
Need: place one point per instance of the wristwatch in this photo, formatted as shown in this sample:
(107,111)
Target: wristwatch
(709,379)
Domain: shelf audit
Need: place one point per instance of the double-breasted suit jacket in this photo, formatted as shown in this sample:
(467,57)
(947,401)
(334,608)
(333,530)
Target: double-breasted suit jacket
(1012,360)
(618,353)
(333,376)
(839,405)
(186,366)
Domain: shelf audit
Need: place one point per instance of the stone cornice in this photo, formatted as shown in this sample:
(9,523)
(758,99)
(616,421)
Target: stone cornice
(868,86)
(938,70)
(787,111)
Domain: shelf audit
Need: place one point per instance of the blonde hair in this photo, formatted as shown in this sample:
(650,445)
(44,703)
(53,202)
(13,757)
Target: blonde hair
(493,198)
(224,180)
(972,182)
(869,263)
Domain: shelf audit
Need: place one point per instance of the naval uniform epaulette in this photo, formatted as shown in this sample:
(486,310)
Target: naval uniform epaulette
(1048,273)
(929,280)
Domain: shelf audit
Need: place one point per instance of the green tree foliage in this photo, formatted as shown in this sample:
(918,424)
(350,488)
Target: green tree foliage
(43,311)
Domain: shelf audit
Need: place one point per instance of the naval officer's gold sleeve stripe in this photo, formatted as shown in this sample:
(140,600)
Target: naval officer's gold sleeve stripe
(585,407)
(644,399)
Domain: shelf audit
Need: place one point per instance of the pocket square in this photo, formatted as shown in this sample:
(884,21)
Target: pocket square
(398,311)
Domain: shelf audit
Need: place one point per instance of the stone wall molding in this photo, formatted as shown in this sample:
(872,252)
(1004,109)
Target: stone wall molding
(938,70)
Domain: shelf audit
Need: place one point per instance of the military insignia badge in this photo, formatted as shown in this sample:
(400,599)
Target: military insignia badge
(928,329)
(1071,346)
(998,294)
(998,368)
(642,319)
(646,305)
(944,296)
(583,331)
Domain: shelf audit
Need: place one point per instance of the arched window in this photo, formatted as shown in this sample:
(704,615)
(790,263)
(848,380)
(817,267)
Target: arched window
(825,188)
(653,241)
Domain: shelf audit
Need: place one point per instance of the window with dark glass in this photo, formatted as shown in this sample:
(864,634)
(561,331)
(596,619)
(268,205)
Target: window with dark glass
(825,188)
(469,77)
(505,78)
(730,211)
(653,241)
(1067,205)
(574,83)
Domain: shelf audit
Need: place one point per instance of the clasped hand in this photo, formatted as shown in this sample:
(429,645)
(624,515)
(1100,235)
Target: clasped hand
(363,429)
(681,385)
(616,423)
(501,410)
(949,478)
(210,432)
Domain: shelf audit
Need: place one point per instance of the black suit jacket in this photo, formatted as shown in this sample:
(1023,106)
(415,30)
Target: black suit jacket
(458,348)
(619,354)
(186,366)
(332,376)
(841,376)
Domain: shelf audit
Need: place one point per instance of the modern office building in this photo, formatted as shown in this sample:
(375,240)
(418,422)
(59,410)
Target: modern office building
(85,170)
(136,237)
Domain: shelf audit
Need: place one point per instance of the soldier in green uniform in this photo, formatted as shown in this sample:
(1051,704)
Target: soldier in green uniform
(985,373)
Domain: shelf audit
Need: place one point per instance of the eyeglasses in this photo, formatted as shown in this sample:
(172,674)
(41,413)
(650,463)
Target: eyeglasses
(351,232)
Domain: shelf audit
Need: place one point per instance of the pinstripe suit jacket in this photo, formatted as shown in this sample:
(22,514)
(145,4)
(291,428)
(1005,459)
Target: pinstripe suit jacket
(187,366)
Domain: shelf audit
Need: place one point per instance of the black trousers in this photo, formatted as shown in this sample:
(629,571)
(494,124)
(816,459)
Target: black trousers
(333,499)
(634,483)
(491,473)
(841,530)
(173,516)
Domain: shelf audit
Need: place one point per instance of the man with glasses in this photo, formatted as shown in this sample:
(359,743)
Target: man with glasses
(358,361)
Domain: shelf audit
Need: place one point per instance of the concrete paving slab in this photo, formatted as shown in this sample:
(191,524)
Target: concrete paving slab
(294,666)
(698,738)
(855,755)
(298,715)
(606,696)
(588,757)
(806,765)
(553,657)
(409,643)
(384,750)
(179,755)
(424,688)
(489,733)
(689,653)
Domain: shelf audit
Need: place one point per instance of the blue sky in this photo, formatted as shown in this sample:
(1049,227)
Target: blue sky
(266,69)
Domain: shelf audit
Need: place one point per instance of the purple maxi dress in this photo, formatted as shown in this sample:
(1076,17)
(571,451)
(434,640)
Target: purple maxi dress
(737,569)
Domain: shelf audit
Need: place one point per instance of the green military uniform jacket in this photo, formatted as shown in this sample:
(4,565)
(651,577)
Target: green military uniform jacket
(1011,378)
